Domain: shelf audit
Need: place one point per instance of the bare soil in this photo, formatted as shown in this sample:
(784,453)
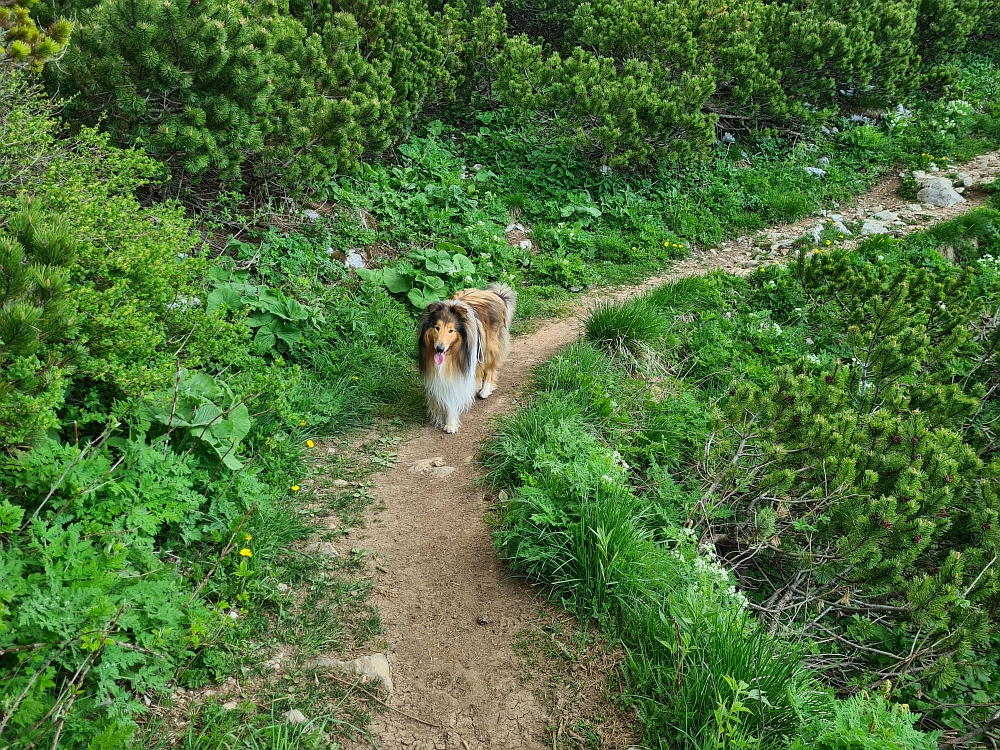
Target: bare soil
(453,615)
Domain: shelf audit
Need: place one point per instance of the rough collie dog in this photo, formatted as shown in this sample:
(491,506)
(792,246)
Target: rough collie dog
(462,342)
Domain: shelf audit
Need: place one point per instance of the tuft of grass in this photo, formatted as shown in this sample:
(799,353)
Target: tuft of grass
(693,294)
(628,329)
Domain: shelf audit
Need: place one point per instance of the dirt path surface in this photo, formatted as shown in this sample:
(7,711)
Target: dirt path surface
(451,612)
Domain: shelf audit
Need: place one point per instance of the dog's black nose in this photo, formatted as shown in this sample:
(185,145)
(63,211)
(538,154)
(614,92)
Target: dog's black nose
(440,347)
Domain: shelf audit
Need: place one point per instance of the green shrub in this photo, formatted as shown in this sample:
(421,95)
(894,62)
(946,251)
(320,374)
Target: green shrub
(633,80)
(872,466)
(22,44)
(36,323)
(295,92)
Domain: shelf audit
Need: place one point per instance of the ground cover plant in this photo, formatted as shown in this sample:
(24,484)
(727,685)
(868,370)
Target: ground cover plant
(800,464)
(157,408)
(171,361)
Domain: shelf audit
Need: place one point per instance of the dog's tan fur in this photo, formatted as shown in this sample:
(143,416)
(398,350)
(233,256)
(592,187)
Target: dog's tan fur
(472,331)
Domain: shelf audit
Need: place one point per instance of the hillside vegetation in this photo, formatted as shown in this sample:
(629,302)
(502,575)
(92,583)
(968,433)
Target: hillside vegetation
(181,182)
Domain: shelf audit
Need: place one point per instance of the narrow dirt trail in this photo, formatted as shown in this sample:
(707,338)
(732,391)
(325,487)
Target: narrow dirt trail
(451,611)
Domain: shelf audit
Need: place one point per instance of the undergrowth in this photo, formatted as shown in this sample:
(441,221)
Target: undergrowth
(790,498)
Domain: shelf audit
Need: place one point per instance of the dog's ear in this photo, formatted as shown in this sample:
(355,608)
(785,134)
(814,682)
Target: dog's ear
(432,308)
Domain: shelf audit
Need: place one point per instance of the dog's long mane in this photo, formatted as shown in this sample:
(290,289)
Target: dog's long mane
(453,384)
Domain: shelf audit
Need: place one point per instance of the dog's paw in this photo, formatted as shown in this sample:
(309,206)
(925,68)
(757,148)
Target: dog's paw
(451,429)
(487,390)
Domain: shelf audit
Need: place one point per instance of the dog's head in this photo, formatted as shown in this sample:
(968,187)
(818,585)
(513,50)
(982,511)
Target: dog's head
(445,337)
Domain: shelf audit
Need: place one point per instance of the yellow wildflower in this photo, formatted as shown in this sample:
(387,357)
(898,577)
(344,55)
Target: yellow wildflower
(302,423)
(246,553)
(310,444)
(247,537)
(828,242)
(295,488)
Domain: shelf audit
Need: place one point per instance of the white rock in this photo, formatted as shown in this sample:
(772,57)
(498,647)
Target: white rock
(838,222)
(816,232)
(283,588)
(311,215)
(354,259)
(295,717)
(815,171)
(914,207)
(873,226)
(939,192)
(932,167)
(340,483)
(374,667)
(230,705)
(782,244)
(823,161)
(524,244)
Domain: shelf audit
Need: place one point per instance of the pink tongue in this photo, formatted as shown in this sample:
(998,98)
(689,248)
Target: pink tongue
(439,358)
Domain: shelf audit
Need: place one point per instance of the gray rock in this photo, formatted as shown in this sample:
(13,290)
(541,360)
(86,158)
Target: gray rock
(340,483)
(311,215)
(728,138)
(964,180)
(354,259)
(823,161)
(782,244)
(915,207)
(939,192)
(283,588)
(295,717)
(886,216)
(816,232)
(838,222)
(874,226)
(434,467)
(932,167)
(230,705)
(960,190)
(321,548)
(815,171)
(524,244)
(374,668)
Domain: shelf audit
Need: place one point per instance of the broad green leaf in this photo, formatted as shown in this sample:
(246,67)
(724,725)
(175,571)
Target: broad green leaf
(395,282)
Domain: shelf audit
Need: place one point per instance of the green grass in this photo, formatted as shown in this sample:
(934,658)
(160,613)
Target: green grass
(628,329)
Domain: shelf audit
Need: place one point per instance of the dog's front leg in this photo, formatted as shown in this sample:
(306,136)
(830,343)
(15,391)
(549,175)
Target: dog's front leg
(451,422)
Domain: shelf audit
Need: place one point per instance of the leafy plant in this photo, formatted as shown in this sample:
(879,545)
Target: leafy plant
(278,321)
(207,410)
(432,275)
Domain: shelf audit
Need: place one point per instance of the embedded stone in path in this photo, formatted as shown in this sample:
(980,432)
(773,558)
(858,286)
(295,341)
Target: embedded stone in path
(874,226)
(372,668)
(939,192)
(434,467)
(321,548)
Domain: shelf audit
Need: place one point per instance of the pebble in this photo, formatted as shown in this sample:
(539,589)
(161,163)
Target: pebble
(295,717)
